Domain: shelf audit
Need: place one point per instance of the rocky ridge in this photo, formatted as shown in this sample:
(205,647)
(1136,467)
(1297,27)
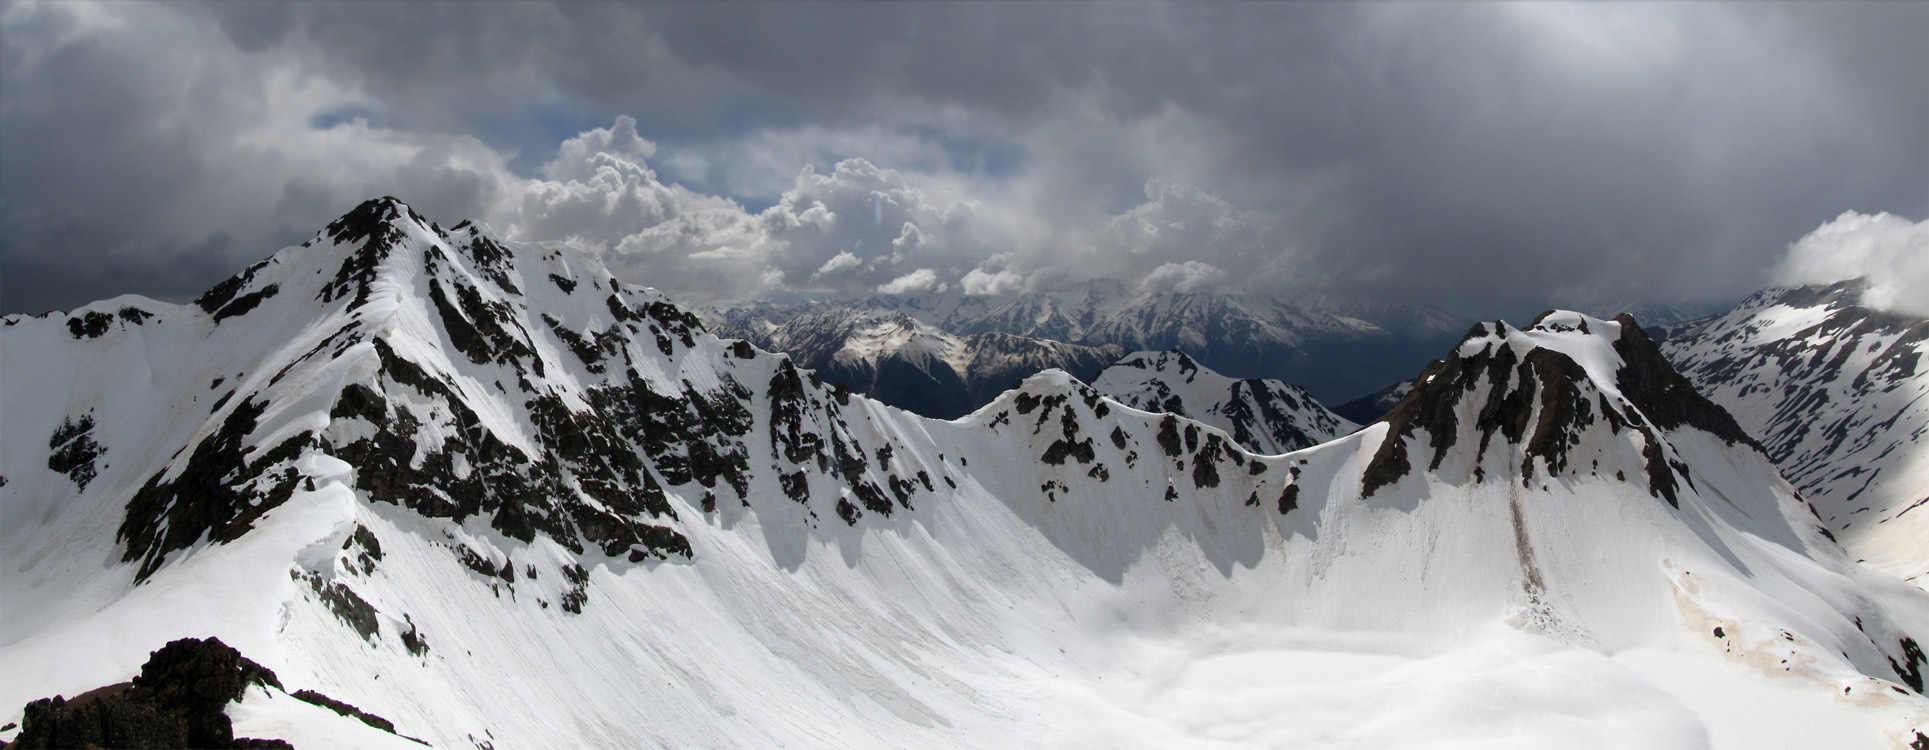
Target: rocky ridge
(1262,416)
(1838,393)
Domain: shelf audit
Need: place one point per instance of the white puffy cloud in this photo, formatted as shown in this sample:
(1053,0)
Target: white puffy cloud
(992,283)
(843,261)
(600,193)
(1891,252)
(1188,276)
(857,228)
(858,210)
(915,282)
(860,227)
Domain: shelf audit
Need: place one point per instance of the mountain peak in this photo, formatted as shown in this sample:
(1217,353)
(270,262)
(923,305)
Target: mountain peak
(1567,388)
(1263,416)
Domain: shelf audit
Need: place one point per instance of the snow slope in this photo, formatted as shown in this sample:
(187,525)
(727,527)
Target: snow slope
(1839,395)
(487,492)
(1262,416)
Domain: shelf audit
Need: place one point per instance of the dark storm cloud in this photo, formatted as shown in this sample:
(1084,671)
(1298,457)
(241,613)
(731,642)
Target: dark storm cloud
(1456,153)
(1486,158)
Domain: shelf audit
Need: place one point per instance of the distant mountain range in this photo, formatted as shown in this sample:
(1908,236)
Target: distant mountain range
(1839,395)
(1337,350)
(905,362)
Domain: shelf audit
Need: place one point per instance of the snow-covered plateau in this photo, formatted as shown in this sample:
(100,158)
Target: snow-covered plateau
(489,493)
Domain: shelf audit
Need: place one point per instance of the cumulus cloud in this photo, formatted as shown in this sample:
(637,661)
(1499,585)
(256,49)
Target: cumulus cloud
(1891,252)
(915,282)
(1190,276)
(980,282)
(857,228)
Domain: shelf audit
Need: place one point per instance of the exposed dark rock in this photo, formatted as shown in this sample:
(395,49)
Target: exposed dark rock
(221,294)
(578,592)
(345,709)
(1169,436)
(371,548)
(350,608)
(1550,389)
(179,700)
(90,325)
(413,640)
(368,224)
(1205,463)
(217,495)
(589,452)
(74,450)
(1667,398)
(480,328)
(1059,450)
(241,305)
(1910,668)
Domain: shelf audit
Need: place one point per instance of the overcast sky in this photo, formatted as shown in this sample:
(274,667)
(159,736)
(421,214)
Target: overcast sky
(1479,157)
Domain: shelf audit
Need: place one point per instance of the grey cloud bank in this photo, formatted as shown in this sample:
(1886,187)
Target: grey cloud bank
(1482,158)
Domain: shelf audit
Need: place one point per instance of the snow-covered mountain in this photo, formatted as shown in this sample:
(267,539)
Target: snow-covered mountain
(899,360)
(1374,405)
(1262,416)
(1839,395)
(485,491)
(1337,349)
(1660,314)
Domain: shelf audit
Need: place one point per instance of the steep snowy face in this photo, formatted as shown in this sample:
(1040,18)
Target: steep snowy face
(897,359)
(436,370)
(1839,395)
(1568,396)
(1262,416)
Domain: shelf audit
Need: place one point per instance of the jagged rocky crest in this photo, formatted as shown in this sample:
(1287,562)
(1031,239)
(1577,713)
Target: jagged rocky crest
(596,443)
(438,458)
(1527,387)
(178,700)
(1262,416)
